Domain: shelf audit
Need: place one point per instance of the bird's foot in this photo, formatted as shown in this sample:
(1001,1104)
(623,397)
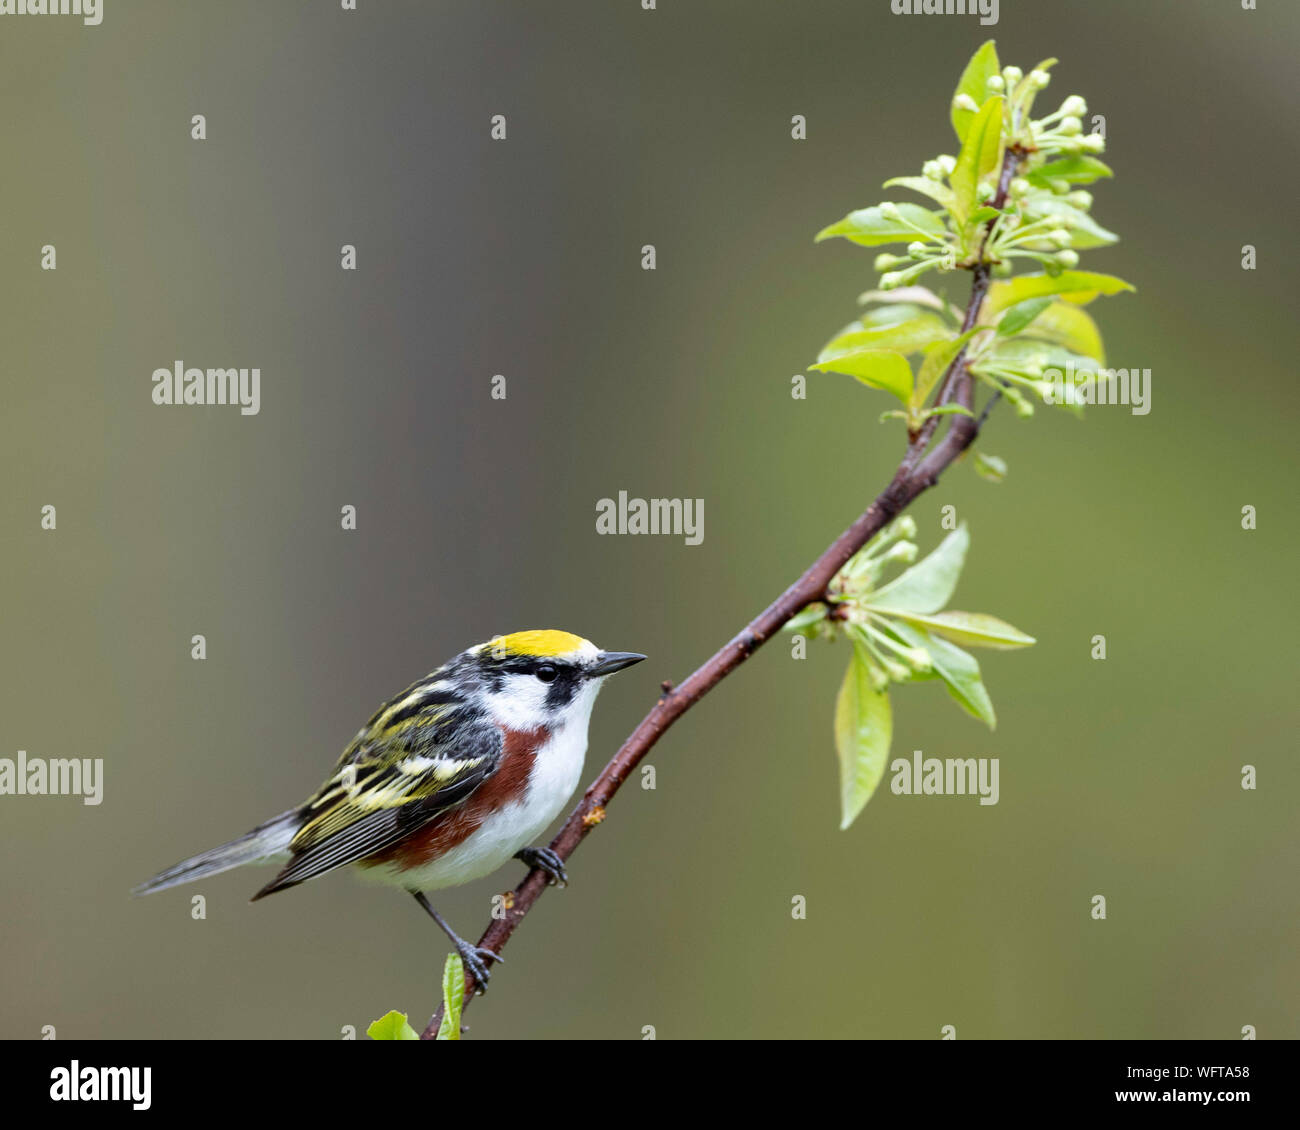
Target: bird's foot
(476,959)
(545,860)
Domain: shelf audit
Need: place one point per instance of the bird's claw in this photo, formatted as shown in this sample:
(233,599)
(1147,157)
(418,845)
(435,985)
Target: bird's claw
(546,861)
(476,959)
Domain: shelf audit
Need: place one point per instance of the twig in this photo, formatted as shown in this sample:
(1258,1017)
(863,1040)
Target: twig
(914,475)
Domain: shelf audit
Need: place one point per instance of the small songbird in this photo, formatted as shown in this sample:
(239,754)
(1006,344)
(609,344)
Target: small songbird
(452,778)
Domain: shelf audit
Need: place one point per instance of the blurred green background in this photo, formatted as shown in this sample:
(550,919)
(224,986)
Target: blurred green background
(476,516)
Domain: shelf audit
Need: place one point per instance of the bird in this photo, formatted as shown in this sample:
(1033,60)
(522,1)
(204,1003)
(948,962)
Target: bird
(445,783)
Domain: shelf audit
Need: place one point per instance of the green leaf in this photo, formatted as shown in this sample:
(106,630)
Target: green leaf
(927,585)
(392,1026)
(1021,314)
(990,467)
(1070,326)
(863,729)
(1073,170)
(813,614)
(882,369)
(1018,353)
(974,629)
(916,295)
(934,189)
(937,359)
(1086,233)
(958,669)
(868,228)
(1080,286)
(453,997)
(979,155)
(907,336)
(974,83)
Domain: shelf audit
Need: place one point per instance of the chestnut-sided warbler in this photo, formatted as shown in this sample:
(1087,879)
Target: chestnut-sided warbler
(448,781)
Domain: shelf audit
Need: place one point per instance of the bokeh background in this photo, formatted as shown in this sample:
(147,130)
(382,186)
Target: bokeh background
(476,516)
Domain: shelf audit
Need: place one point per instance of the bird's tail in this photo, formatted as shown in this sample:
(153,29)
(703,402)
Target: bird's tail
(266,842)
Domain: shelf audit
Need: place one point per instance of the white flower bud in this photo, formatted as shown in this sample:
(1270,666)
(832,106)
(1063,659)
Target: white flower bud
(1080,199)
(965,102)
(1074,105)
(947,163)
(916,249)
(1019,187)
(932,170)
(1068,258)
(995,84)
(890,211)
(919,658)
(1071,126)
(891,280)
(1039,79)
(885,261)
(1094,143)
(1059,236)
(1012,75)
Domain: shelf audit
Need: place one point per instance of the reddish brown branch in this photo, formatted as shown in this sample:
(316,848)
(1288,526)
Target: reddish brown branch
(914,475)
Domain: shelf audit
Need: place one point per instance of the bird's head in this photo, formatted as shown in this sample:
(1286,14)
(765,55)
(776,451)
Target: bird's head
(542,678)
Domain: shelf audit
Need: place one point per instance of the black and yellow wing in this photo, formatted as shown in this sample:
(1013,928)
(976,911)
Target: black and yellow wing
(421,754)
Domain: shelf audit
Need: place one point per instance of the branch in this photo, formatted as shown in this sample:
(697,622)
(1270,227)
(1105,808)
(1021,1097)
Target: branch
(917,472)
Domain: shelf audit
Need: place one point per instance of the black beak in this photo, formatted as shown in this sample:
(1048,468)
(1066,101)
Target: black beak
(607,662)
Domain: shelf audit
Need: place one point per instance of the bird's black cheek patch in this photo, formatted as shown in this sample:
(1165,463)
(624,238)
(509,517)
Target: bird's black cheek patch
(561,691)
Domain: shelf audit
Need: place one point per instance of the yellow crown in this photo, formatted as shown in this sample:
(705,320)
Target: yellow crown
(545,642)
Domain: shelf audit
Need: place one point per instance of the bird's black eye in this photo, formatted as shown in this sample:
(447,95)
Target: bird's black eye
(546,672)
